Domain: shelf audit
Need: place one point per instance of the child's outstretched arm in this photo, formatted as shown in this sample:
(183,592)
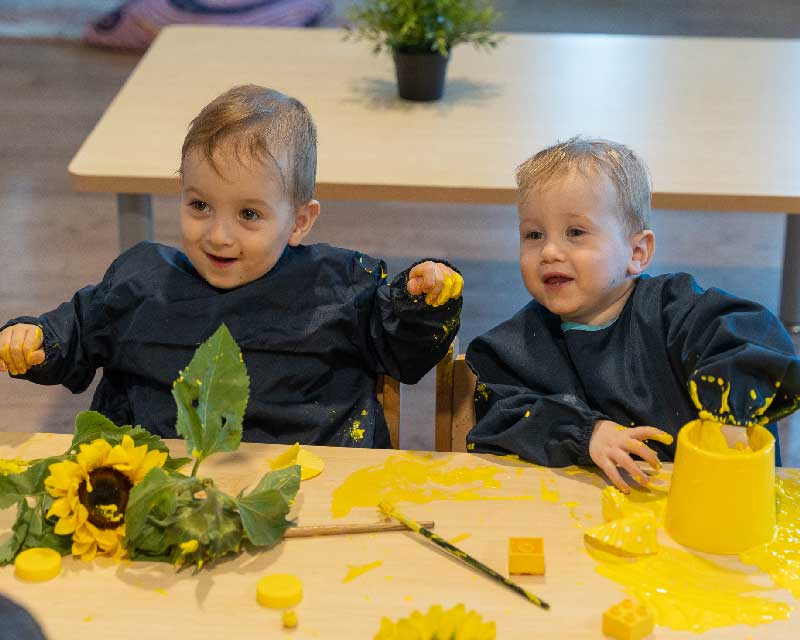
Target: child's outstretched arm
(738,361)
(407,326)
(20,348)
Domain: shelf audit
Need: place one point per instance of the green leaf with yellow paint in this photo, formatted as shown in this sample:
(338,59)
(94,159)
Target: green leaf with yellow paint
(211,395)
(263,510)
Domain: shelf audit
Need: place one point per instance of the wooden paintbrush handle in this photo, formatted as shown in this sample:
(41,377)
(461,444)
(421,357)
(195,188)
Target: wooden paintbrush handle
(339,529)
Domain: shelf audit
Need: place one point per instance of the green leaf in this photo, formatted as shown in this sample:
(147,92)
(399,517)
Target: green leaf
(10,548)
(155,494)
(211,396)
(263,511)
(91,425)
(41,531)
(17,486)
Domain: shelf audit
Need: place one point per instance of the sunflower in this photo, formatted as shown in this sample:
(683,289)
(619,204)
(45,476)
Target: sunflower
(91,493)
(438,624)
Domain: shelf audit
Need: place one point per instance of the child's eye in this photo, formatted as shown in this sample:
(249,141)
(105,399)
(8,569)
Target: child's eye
(199,205)
(249,215)
(574,232)
(534,235)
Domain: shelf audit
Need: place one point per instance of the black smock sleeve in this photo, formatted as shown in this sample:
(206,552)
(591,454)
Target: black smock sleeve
(527,398)
(76,338)
(737,359)
(401,335)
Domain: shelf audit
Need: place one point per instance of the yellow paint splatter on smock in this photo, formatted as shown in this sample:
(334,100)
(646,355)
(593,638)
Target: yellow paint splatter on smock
(780,557)
(689,593)
(418,478)
(355,570)
(356,432)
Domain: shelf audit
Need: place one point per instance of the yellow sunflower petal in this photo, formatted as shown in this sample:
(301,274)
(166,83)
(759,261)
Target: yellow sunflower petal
(107,539)
(93,455)
(82,535)
(90,553)
(154,458)
(61,508)
(63,476)
(66,525)
(80,548)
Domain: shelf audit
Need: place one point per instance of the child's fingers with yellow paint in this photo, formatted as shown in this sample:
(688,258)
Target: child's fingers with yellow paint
(637,446)
(651,433)
(609,467)
(17,343)
(622,460)
(421,278)
(32,346)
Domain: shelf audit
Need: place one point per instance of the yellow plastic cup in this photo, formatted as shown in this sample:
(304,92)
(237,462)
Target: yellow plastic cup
(721,500)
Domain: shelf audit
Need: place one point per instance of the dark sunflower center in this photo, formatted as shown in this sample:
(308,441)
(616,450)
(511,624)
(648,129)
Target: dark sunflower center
(109,496)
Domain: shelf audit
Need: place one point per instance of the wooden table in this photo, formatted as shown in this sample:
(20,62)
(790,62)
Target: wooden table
(714,118)
(149,600)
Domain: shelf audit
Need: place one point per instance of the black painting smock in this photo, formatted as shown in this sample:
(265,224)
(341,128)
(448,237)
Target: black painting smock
(314,332)
(541,386)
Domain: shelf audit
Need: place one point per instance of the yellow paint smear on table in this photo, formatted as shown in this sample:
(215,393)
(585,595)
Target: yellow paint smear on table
(311,465)
(417,478)
(549,491)
(355,570)
(689,593)
(780,557)
(460,538)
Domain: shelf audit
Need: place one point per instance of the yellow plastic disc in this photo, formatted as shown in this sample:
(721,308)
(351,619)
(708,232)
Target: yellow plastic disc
(279,591)
(38,564)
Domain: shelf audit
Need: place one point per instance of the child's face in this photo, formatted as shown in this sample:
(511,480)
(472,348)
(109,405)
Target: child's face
(575,256)
(236,223)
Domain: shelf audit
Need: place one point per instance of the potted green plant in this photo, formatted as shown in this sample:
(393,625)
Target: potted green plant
(420,35)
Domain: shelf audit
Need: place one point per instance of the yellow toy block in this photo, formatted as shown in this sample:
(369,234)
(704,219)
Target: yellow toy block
(627,620)
(526,555)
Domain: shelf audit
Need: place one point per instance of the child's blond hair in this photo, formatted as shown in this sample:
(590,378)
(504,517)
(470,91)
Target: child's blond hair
(260,123)
(623,167)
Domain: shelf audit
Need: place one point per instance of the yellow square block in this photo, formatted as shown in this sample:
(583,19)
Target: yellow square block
(526,555)
(627,620)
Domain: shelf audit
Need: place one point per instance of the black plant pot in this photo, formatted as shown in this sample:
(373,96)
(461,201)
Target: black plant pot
(420,76)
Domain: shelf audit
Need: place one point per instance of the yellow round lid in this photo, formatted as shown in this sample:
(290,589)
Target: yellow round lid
(38,564)
(279,590)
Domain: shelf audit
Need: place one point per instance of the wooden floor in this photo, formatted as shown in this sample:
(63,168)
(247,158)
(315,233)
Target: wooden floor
(54,240)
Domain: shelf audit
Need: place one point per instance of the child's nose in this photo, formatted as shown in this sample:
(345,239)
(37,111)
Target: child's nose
(220,232)
(551,251)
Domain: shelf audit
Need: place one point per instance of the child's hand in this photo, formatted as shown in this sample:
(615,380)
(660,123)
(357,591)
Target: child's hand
(612,444)
(435,279)
(20,348)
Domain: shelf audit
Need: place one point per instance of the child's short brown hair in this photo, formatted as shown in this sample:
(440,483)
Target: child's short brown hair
(623,167)
(261,123)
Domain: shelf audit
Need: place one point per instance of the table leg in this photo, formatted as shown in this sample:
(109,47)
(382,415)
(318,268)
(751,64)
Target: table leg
(135,218)
(790,282)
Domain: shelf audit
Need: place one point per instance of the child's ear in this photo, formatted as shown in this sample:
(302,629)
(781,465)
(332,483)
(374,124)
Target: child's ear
(643,245)
(304,219)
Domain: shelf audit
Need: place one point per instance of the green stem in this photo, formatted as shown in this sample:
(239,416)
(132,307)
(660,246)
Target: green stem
(194,468)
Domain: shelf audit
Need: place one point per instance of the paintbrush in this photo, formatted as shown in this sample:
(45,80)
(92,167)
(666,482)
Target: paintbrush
(390,511)
(340,529)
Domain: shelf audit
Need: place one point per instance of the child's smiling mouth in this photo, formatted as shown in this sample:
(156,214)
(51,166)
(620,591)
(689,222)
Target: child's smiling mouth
(220,261)
(556,280)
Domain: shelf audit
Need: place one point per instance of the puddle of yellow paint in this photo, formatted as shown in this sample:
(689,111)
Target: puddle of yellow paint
(355,570)
(410,477)
(780,557)
(689,593)
(549,491)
